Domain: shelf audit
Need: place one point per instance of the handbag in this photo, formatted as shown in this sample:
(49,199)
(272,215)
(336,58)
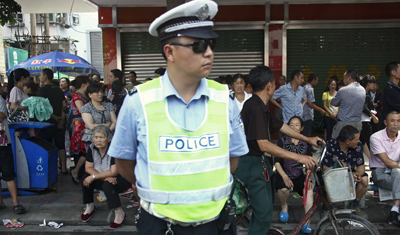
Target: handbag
(16,115)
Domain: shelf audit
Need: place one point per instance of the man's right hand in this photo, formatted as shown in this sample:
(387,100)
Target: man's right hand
(308,161)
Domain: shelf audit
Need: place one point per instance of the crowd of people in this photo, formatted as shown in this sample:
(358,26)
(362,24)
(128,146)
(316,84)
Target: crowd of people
(353,114)
(84,119)
(178,139)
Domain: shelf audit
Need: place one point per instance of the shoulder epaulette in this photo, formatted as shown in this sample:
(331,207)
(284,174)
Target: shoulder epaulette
(132,91)
(232,94)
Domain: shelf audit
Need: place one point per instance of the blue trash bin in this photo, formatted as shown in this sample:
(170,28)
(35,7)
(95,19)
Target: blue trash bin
(35,160)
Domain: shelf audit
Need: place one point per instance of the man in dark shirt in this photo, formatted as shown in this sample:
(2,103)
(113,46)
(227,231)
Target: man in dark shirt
(347,148)
(254,169)
(391,93)
(57,101)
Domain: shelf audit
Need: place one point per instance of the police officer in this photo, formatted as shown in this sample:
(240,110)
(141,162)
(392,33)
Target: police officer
(179,137)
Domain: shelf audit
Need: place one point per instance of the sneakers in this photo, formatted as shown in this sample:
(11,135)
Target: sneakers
(393,218)
(360,212)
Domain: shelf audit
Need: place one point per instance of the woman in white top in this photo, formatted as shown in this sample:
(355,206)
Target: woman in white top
(238,85)
(16,83)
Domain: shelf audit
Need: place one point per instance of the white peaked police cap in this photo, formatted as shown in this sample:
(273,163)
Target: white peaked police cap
(192,19)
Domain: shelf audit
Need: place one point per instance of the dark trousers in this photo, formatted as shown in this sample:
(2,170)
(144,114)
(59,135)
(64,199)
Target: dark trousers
(149,224)
(329,124)
(307,128)
(261,192)
(112,191)
(55,136)
(366,133)
(375,126)
(7,163)
(81,170)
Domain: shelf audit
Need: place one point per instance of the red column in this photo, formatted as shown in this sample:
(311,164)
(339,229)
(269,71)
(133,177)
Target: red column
(275,59)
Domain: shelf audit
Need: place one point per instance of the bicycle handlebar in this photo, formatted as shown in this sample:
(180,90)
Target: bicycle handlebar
(320,144)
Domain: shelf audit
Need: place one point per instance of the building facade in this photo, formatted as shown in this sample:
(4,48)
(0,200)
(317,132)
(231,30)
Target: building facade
(75,33)
(313,36)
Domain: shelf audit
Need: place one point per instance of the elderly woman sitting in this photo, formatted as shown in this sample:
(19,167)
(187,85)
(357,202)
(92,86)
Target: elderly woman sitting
(101,173)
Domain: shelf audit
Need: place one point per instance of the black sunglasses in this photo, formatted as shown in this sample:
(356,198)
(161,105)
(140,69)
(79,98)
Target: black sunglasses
(199,46)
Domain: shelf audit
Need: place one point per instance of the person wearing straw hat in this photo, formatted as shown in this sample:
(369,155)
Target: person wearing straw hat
(179,136)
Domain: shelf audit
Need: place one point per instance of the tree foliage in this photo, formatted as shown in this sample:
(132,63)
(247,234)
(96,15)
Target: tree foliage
(7,9)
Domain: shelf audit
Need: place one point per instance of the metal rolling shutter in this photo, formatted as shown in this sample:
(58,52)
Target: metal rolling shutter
(329,52)
(96,51)
(141,53)
(237,52)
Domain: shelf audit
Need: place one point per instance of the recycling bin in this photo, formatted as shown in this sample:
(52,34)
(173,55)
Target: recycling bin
(35,160)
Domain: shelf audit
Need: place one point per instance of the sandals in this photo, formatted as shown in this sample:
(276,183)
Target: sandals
(3,207)
(284,216)
(19,209)
(306,229)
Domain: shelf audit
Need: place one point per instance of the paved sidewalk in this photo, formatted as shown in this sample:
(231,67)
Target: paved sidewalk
(63,204)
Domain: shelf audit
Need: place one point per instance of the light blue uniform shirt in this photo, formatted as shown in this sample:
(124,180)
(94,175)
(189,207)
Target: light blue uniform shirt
(129,141)
(291,101)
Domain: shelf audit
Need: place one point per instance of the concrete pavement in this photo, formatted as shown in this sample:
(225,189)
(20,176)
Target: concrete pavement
(63,204)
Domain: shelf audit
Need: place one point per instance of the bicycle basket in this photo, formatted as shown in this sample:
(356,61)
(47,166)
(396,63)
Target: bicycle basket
(339,184)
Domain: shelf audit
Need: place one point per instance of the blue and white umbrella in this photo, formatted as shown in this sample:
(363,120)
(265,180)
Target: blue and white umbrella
(57,61)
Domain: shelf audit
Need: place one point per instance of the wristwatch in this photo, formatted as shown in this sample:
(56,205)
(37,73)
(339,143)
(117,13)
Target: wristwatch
(94,177)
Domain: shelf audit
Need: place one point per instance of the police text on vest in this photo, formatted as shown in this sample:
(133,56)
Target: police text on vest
(188,143)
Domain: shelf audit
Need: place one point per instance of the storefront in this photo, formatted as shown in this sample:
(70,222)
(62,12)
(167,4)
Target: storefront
(322,38)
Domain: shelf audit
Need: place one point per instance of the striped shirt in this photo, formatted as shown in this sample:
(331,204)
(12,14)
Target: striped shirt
(308,112)
(291,101)
(350,100)
(381,143)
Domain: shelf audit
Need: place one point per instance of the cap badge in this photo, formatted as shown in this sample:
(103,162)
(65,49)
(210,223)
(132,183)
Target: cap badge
(202,13)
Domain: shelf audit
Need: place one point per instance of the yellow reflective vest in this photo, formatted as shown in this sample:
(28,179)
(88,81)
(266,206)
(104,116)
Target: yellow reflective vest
(189,171)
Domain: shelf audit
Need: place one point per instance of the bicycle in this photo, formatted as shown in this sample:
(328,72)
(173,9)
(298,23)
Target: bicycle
(336,221)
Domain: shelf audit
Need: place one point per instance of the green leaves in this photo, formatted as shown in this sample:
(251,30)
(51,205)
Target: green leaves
(7,9)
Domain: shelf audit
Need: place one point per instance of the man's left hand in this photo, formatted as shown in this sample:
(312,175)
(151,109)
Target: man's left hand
(314,140)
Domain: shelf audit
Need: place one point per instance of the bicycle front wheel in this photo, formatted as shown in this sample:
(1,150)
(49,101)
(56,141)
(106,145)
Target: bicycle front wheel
(347,224)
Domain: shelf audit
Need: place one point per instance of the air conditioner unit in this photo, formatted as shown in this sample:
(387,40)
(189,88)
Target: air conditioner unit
(63,47)
(16,24)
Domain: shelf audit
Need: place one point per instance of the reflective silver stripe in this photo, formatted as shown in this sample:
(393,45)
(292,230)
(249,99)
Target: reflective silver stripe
(219,96)
(189,25)
(150,96)
(188,167)
(147,206)
(185,197)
